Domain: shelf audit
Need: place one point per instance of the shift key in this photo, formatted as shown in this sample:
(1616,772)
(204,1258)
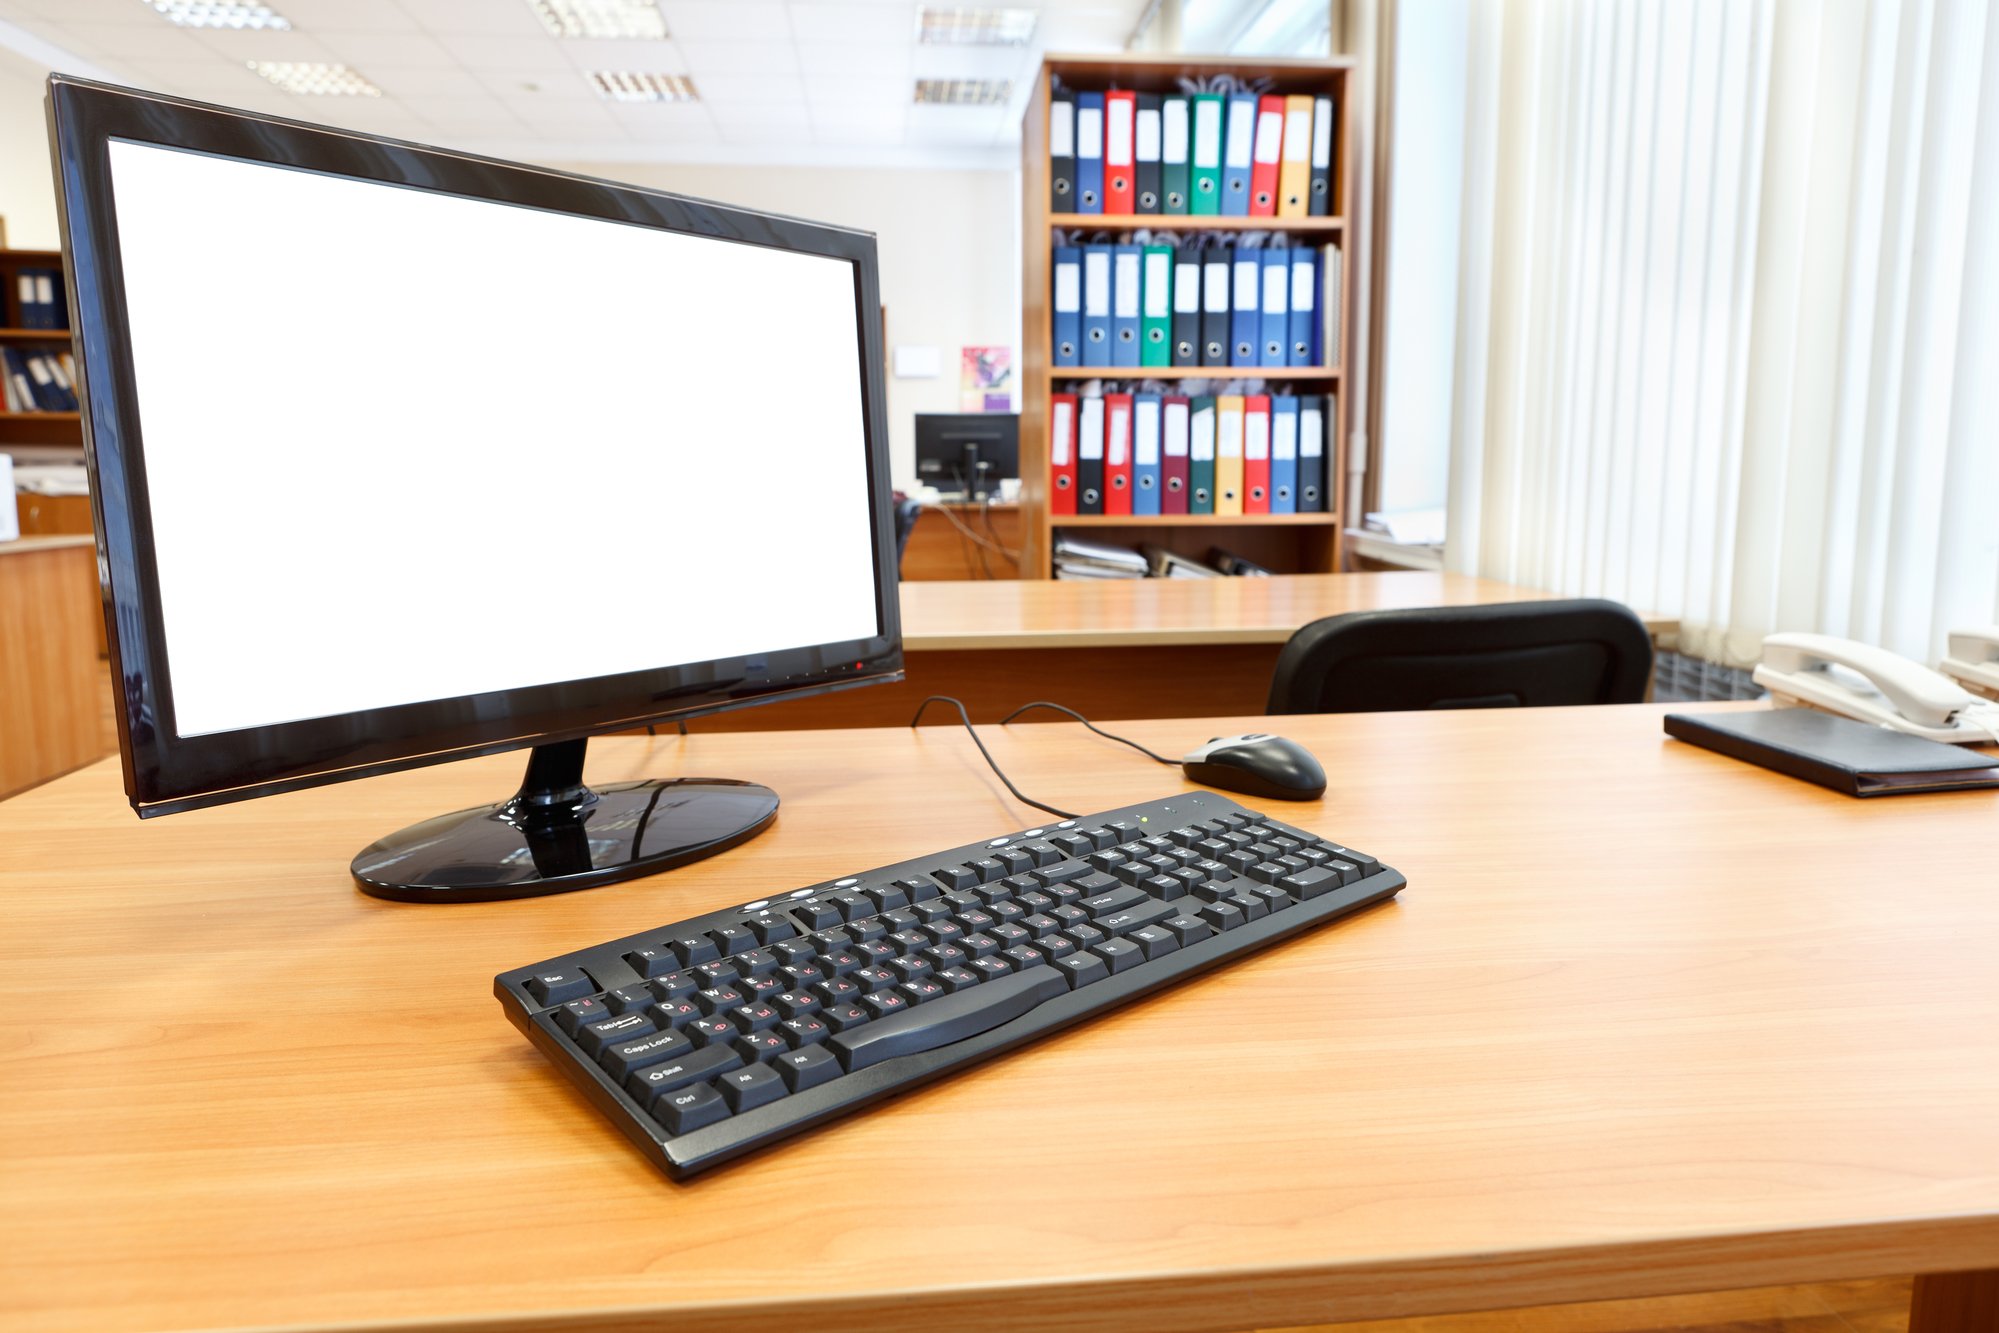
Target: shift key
(647,1084)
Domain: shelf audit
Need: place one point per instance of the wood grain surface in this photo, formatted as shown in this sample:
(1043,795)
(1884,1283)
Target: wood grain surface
(50,675)
(1645,1021)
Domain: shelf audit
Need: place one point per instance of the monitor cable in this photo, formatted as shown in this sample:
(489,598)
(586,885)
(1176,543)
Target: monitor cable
(993,764)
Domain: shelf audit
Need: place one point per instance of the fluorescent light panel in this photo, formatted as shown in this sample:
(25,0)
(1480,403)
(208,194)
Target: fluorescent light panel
(624,86)
(964,92)
(219,14)
(601,18)
(974,27)
(311,79)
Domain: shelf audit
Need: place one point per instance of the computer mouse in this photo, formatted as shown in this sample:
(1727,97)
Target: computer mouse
(1258,764)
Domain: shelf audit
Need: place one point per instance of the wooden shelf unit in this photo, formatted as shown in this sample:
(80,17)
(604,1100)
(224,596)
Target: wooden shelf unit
(19,428)
(1288,543)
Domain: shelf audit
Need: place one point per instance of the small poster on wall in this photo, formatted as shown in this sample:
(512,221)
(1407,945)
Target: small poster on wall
(986,378)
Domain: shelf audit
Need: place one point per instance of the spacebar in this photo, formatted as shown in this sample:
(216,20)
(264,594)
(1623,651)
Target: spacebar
(954,1017)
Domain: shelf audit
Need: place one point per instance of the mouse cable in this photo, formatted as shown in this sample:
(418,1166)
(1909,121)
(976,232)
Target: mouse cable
(991,763)
(1043,703)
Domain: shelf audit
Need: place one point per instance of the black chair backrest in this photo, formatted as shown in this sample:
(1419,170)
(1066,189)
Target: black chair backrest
(1510,655)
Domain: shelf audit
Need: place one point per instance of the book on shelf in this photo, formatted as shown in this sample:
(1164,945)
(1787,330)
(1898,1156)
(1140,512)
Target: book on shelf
(1161,563)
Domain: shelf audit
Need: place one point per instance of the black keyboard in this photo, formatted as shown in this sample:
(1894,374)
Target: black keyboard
(721,1033)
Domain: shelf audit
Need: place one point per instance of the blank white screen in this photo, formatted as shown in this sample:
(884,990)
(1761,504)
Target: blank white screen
(403,447)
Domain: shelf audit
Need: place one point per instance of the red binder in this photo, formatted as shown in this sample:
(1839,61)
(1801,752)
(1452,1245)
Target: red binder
(1173,443)
(1062,454)
(1117,453)
(1120,133)
(1256,454)
(1263,168)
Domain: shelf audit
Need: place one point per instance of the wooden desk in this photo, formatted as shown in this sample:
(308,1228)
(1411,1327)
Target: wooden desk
(50,674)
(939,549)
(1144,648)
(1646,1020)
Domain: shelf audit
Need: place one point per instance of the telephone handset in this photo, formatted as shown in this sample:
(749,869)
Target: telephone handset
(1872,684)
(1974,660)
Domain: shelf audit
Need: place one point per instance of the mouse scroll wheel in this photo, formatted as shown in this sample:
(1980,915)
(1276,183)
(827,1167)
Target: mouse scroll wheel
(1259,736)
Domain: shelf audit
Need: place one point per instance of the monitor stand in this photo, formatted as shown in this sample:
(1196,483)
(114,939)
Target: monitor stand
(556,834)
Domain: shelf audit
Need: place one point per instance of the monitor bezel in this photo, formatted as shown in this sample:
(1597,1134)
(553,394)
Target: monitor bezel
(166,772)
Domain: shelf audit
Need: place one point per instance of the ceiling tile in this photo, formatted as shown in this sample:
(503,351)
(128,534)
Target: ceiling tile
(637,57)
(840,90)
(859,125)
(498,18)
(224,81)
(954,124)
(464,113)
(780,120)
(534,86)
(383,50)
(973,62)
(346,15)
(762,88)
(856,59)
(424,82)
(482,53)
(157,40)
(566,120)
(738,58)
(812,22)
(725,20)
(247,46)
(666,122)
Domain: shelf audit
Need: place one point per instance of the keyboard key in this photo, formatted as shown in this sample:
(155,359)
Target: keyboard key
(718,999)
(756,963)
(803,1031)
(1007,911)
(1164,887)
(842,962)
(1346,870)
(935,909)
(1188,930)
(873,978)
(676,1013)
(1102,838)
(978,946)
(798,1004)
(716,974)
(911,968)
(1310,883)
(1063,874)
(1222,916)
(876,952)
(910,941)
(807,1067)
(987,869)
(923,990)
(673,985)
(867,930)
(1009,934)
(1069,915)
(887,897)
(943,932)
(1045,853)
(989,968)
(1124,830)
(950,1019)
(901,918)
(1039,924)
(621,1058)
(558,987)
(763,988)
(650,1082)
(840,990)
(579,1013)
(1118,954)
(801,975)
(1189,836)
(1075,844)
(956,978)
(1080,969)
(712,1030)
(1252,906)
(593,1037)
(975,920)
(691,1109)
(1157,941)
(651,962)
(883,1002)
(1085,936)
(732,939)
(1106,861)
(853,904)
(1270,893)
(759,1046)
(818,914)
(941,956)
(1055,946)
(772,928)
(1116,900)
(918,888)
(757,1017)
(1120,923)
(1023,956)
(844,1017)
(1189,878)
(1014,859)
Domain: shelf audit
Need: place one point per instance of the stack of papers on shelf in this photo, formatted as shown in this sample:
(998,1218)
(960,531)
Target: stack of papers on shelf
(1165,564)
(1409,527)
(52,478)
(1077,559)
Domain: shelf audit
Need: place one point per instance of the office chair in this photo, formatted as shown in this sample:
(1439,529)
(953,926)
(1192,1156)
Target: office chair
(905,523)
(1510,655)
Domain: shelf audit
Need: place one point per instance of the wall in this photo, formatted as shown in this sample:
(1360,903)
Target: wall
(949,248)
(27,191)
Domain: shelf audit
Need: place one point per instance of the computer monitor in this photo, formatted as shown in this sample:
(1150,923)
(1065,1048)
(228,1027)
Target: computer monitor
(967,452)
(401,456)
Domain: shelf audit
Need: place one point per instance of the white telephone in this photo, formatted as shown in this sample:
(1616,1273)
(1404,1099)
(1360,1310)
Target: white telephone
(1974,660)
(1872,684)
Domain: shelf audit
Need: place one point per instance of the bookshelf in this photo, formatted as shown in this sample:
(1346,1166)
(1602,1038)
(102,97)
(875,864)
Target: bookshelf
(44,428)
(1286,543)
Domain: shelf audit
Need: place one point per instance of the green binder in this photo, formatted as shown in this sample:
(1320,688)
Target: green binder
(1206,153)
(1201,456)
(1155,345)
(1173,178)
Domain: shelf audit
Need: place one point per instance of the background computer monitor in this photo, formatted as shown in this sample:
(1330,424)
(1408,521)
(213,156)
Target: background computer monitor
(967,453)
(403,456)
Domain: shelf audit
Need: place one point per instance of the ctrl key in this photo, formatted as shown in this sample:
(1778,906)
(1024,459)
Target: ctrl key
(690,1109)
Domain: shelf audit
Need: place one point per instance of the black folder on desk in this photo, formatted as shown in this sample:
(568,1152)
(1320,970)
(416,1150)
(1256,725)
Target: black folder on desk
(1856,758)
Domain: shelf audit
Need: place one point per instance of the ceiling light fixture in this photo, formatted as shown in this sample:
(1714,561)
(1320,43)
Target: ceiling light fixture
(623,86)
(964,92)
(974,27)
(601,18)
(311,79)
(219,14)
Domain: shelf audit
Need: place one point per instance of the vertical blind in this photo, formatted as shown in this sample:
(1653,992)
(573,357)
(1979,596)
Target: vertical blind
(1728,313)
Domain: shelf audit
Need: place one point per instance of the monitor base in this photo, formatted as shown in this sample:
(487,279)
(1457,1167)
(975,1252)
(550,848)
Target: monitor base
(556,834)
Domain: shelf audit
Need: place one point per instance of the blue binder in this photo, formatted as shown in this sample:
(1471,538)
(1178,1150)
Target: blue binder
(1276,314)
(1238,154)
(1304,301)
(1127,289)
(1145,419)
(1089,152)
(1283,454)
(1096,305)
(1068,305)
(1245,323)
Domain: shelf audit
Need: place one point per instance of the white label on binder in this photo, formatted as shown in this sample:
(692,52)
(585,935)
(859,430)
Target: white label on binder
(1246,275)
(25,285)
(1158,284)
(1173,131)
(1207,134)
(1216,293)
(1204,436)
(1176,430)
(1126,286)
(1187,286)
(1269,135)
(1311,432)
(38,370)
(1256,435)
(1301,282)
(1069,287)
(1322,132)
(1064,434)
(1097,282)
(1089,132)
(1120,425)
(1241,113)
(1297,135)
(1228,431)
(1145,430)
(1117,135)
(45,290)
(1090,444)
(1061,129)
(1283,434)
(1275,290)
(1148,135)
